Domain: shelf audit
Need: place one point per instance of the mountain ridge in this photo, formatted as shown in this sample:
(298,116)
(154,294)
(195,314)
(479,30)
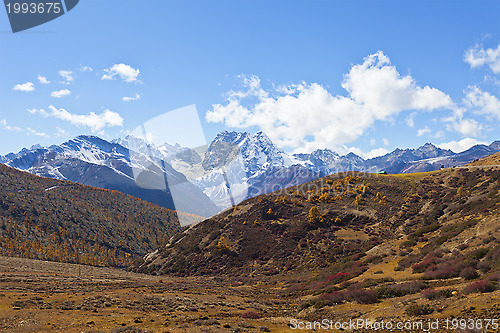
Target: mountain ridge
(233,167)
(50,219)
(91,160)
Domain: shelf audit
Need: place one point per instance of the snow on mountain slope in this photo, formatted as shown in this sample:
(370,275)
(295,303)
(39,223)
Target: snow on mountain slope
(93,161)
(233,167)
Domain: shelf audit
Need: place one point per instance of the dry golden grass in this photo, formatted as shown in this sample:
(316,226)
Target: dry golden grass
(49,297)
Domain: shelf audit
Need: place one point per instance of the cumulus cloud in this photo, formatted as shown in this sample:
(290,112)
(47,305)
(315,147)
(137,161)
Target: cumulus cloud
(43,79)
(378,86)
(28,86)
(135,98)
(477,56)
(466,127)
(86,68)
(460,146)
(95,122)
(125,72)
(483,102)
(425,130)
(306,116)
(67,76)
(60,93)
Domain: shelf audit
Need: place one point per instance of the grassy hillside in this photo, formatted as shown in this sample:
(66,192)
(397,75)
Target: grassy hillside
(276,230)
(490,160)
(43,218)
(418,240)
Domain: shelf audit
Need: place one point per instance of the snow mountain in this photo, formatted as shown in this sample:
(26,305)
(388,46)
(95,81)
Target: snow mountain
(205,180)
(90,160)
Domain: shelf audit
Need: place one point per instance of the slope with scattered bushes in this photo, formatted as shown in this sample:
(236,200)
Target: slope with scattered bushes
(43,218)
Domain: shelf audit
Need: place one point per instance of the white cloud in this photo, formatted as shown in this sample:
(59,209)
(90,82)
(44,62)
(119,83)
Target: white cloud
(125,72)
(373,142)
(135,98)
(43,79)
(60,93)
(67,75)
(7,127)
(290,115)
(95,122)
(28,86)
(371,154)
(467,127)
(86,68)
(61,132)
(385,141)
(31,131)
(460,146)
(425,130)
(439,135)
(410,120)
(477,56)
(379,87)
(482,102)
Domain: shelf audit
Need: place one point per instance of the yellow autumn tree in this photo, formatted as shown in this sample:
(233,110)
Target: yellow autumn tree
(223,245)
(313,215)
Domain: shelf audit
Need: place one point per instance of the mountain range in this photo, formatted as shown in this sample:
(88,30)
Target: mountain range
(205,180)
(90,160)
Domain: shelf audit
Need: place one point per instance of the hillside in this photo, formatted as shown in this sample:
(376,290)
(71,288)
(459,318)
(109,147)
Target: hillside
(90,160)
(44,218)
(490,160)
(197,180)
(423,241)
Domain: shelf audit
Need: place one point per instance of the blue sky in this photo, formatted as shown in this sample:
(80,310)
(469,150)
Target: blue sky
(361,76)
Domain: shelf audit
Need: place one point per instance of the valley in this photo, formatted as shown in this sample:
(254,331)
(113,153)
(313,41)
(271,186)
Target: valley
(40,296)
(354,245)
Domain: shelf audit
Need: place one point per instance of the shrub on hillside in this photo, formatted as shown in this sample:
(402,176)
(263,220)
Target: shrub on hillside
(442,272)
(363,296)
(335,297)
(359,295)
(479,253)
(419,310)
(422,266)
(493,277)
(338,277)
(481,286)
(250,314)
(407,262)
(398,290)
(437,294)
(469,273)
